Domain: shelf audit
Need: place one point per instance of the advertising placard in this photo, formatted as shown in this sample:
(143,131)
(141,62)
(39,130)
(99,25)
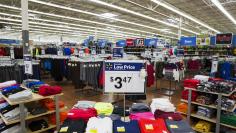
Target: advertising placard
(124,77)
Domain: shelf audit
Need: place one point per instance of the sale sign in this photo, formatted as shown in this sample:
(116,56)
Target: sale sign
(124,76)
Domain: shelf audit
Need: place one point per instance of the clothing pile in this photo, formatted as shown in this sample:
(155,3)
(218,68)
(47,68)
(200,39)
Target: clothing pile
(41,88)
(91,117)
(15,92)
(205,112)
(203,126)
(226,103)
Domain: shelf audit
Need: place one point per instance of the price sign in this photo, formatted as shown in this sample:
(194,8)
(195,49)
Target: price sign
(28,64)
(81,53)
(93,51)
(124,77)
(118,52)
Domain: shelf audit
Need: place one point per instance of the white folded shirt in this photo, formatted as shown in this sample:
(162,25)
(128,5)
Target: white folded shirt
(162,104)
(7,83)
(14,114)
(202,78)
(22,95)
(14,129)
(99,125)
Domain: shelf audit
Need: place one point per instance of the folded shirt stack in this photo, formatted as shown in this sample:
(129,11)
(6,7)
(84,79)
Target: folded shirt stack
(99,125)
(84,104)
(7,84)
(185,95)
(73,126)
(12,129)
(16,93)
(179,126)
(203,126)
(153,126)
(205,112)
(13,114)
(126,127)
(202,78)
(112,116)
(225,87)
(168,115)
(38,125)
(46,90)
(139,108)
(182,107)
(27,82)
(205,99)
(119,110)
(7,108)
(226,103)
(85,114)
(37,109)
(191,83)
(162,104)
(228,118)
(20,96)
(3,105)
(104,108)
(143,115)
(50,104)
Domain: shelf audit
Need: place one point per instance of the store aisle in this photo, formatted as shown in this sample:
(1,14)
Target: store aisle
(70,96)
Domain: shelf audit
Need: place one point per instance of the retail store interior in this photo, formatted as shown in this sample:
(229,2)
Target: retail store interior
(117,66)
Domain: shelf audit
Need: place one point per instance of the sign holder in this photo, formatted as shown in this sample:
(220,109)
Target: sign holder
(123,93)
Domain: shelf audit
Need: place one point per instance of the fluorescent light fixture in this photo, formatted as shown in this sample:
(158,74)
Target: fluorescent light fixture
(87,21)
(134,13)
(163,30)
(222,9)
(176,10)
(108,15)
(98,15)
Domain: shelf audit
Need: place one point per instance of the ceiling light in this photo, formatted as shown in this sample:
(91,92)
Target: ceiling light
(176,10)
(222,9)
(134,13)
(84,20)
(108,15)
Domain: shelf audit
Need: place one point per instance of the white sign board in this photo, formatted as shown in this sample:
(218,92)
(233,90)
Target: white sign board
(124,76)
(42,51)
(28,64)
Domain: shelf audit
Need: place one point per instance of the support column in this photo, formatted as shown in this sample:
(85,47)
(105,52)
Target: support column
(25,26)
(179,29)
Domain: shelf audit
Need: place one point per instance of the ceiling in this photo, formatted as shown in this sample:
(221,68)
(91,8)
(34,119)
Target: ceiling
(133,18)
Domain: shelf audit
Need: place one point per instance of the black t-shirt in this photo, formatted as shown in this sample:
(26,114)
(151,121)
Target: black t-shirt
(73,126)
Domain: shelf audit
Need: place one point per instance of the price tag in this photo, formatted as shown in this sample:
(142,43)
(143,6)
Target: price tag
(149,126)
(43,51)
(124,77)
(120,129)
(103,51)
(60,53)
(81,53)
(12,54)
(28,64)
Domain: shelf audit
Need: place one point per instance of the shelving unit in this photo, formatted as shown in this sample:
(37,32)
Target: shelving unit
(216,119)
(23,118)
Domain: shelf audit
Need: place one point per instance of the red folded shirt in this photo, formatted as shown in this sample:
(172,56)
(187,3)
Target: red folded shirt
(168,115)
(191,83)
(153,126)
(84,114)
(50,104)
(185,95)
(49,90)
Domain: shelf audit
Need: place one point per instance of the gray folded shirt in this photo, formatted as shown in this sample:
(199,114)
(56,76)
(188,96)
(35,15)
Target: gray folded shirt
(85,104)
(14,114)
(20,96)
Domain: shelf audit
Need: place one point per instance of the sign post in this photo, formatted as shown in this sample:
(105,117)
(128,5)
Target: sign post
(124,77)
